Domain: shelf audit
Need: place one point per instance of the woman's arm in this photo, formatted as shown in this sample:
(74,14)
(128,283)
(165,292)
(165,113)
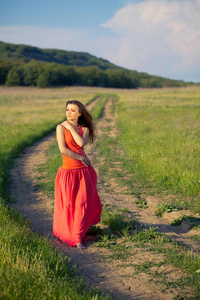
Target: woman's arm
(60,135)
(80,140)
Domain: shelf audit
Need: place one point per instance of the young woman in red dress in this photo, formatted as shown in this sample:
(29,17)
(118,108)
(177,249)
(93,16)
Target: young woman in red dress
(77,204)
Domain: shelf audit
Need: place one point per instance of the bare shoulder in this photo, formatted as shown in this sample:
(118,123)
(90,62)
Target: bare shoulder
(60,128)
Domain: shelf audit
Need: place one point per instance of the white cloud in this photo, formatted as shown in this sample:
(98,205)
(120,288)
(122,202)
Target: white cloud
(157,34)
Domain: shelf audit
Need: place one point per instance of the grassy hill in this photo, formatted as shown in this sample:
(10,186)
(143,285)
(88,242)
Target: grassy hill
(70,58)
(33,66)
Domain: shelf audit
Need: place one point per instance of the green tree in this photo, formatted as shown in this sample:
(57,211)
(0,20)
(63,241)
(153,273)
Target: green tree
(70,76)
(4,69)
(117,79)
(31,73)
(43,80)
(15,77)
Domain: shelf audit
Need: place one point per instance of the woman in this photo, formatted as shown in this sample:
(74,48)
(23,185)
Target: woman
(77,204)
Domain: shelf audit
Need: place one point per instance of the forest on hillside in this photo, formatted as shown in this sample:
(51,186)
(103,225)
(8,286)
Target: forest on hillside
(23,65)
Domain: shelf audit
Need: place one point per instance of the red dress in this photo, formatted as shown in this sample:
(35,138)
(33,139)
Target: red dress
(77,204)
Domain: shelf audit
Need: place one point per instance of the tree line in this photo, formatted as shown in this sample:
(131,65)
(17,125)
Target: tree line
(45,74)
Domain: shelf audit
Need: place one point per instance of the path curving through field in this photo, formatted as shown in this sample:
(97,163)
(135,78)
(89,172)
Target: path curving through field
(37,208)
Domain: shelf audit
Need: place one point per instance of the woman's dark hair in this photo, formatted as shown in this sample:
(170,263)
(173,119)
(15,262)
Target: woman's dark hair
(85,119)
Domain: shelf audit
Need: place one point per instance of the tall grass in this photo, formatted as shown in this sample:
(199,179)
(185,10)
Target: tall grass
(118,222)
(160,130)
(30,268)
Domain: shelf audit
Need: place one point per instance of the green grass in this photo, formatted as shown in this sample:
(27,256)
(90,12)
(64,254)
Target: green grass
(158,146)
(193,221)
(115,99)
(178,221)
(97,111)
(154,242)
(145,266)
(93,98)
(195,226)
(196,238)
(164,207)
(119,222)
(161,130)
(142,202)
(30,267)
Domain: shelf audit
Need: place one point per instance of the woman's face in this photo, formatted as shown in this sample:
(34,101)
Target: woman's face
(72,112)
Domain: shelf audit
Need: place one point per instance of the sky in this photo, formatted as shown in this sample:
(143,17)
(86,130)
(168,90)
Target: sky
(158,37)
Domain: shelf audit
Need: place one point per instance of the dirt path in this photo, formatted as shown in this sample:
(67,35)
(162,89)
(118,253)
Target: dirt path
(37,207)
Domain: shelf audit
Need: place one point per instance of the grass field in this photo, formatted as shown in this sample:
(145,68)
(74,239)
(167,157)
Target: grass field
(159,133)
(160,137)
(162,129)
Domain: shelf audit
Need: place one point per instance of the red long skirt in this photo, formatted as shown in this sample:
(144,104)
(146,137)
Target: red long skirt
(77,204)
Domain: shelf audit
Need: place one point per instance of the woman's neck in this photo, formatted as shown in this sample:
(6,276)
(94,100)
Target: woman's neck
(74,124)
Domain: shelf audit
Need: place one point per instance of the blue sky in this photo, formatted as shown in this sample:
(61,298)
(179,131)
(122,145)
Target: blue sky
(160,37)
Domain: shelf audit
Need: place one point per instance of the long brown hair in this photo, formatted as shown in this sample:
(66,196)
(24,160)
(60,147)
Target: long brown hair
(85,119)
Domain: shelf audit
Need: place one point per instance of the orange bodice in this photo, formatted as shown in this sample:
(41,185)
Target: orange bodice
(70,163)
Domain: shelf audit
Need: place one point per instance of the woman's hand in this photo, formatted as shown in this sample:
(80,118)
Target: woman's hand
(67,125)
(86,161)
(80,140)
